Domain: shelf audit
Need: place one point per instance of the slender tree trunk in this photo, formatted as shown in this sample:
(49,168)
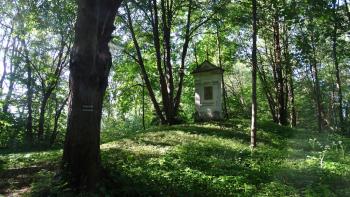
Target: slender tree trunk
(317,96)
(56,119)
(10,88)
(254,72)
(43,104)
(139,60)
(290,84)
(317,91)
(89,69)
(268,94)
(293,114)
(13,71)
(4,60)
(143,106)
(183,57)
(347,10)
(29,85)
(224,95)
(282,112)
(336,65)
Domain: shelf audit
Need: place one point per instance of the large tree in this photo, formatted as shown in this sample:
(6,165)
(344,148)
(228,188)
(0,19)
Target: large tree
(89,69)
(168,49)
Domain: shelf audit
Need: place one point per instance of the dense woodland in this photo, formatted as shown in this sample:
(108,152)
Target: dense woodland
(77,75)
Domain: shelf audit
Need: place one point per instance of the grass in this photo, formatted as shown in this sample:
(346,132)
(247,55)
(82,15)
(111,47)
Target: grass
(203,160)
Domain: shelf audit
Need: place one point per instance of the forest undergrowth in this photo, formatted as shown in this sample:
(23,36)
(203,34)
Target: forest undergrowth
(211,159)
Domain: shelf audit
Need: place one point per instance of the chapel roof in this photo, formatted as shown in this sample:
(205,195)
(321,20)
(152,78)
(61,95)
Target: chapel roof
(206,66)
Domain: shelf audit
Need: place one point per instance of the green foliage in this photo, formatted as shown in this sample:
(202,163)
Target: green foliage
(214,160)
(211,159)
(11,135)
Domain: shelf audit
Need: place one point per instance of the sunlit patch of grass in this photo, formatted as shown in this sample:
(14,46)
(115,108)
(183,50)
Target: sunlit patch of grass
(214,159)
(206,160)
(136,148)
(30,159)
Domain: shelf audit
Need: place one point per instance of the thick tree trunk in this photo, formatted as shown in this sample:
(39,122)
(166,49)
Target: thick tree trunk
(89,69)
(162,74)
(254,72)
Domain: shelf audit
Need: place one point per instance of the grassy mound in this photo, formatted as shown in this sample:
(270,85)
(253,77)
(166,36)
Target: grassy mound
(207,160)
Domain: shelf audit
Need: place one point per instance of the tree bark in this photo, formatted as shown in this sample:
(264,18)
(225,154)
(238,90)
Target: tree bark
(29,100)
(29,121)
(336,66)
(317,91)
(347,10)
(43,104)
(10,91)
(254,72)
(157,46)
(282,112)
(4,60)
(89,69)
(139,60)
(13,70)
(268,94)
(183,57)
(290,84)
(57,117)
(224,95)
(167,16)
(163,17)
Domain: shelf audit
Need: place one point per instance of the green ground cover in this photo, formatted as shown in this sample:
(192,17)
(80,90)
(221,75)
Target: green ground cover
(201,160)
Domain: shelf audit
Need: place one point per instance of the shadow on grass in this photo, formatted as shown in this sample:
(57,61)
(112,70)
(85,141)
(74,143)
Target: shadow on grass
(314,181)
(7,151)
(19,178)
(270,127)
(199,167)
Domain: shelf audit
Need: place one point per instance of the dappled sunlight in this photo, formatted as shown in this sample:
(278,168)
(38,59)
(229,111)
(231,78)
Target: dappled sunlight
(212,159)
(17,170)
(208,159)
(215,159)
(29,159)
(135,147)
